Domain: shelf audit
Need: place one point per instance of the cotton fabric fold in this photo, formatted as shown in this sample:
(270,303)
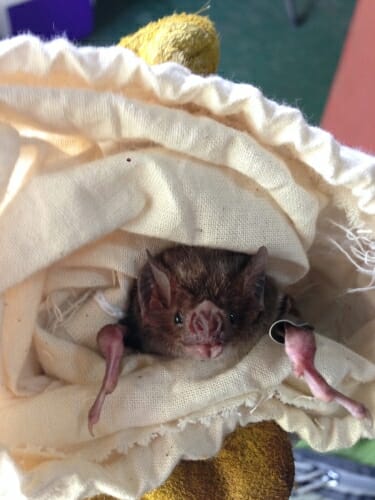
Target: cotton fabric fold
(103,157)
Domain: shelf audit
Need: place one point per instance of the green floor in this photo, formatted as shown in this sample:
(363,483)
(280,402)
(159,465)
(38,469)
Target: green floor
(258,43)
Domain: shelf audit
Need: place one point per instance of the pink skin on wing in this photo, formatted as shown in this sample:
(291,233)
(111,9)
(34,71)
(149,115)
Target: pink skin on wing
(110,340)
(174,281)
(204,342)
(170,283)
(300,347)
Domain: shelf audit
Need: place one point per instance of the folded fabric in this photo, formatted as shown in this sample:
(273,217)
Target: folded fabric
(104,157)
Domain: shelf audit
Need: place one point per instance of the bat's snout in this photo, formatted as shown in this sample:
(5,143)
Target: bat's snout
(207,322)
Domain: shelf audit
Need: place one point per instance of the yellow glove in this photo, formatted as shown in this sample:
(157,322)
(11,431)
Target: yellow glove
(188,39)
(255,463)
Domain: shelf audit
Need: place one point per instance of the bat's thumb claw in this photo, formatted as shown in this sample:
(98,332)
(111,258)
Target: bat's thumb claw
(360,411)
(92,420)
(369,419)
(91,430)
(90,425)
(298,371)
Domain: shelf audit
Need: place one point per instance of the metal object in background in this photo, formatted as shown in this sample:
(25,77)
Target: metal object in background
(328,477)
(296,18)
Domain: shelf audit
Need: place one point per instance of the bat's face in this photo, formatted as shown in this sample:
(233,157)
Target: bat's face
(194,305)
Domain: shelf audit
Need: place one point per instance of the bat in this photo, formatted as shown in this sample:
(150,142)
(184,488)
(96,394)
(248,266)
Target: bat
(193,302)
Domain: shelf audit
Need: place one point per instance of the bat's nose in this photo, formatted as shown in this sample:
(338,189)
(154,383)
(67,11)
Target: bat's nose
(207,321)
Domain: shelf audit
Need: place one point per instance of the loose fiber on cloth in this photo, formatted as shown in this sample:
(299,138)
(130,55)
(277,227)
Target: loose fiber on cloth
(103,157)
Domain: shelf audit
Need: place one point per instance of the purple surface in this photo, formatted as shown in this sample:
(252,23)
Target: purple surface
(51,18)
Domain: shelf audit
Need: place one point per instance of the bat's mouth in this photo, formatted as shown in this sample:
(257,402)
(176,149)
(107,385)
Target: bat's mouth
(204,351)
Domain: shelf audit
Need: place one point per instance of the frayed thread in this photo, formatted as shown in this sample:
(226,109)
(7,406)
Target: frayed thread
(60,314)
(107,307)
(225,413)
(360,252)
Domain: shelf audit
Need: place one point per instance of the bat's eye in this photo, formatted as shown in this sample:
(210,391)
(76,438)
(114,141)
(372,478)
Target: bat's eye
(233,317)
(178,319)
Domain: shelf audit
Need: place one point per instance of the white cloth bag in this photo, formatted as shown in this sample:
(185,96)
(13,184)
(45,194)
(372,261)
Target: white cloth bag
(101,157)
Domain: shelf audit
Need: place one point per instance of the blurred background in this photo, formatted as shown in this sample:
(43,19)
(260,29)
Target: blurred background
(316,55)
(291,56)
(259,43)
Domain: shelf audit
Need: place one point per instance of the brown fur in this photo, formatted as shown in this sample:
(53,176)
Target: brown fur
(206,286)
(197,274)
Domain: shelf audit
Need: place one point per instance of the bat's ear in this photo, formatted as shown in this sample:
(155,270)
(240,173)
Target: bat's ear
(255,276)
(161,280)
(154,287)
